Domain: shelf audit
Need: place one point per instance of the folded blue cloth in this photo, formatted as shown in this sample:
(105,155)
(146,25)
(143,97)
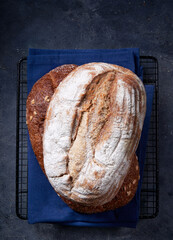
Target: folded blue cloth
(44,205)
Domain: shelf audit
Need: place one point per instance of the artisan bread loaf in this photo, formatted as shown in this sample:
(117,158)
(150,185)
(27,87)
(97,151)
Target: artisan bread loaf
(37,103)
(91,132)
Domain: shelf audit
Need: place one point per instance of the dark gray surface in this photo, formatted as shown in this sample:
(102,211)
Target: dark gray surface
(84,24)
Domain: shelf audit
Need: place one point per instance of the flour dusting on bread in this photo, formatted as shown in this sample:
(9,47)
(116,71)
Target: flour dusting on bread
(91,131)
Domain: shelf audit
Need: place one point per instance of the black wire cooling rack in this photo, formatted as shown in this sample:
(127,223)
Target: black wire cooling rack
(149,205)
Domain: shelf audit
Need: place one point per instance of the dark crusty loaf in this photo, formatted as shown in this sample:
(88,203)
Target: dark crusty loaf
(37,104)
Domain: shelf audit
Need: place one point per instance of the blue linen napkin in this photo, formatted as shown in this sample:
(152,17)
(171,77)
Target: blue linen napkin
(44,205)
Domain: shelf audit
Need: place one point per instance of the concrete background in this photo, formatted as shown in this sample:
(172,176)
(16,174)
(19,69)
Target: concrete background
(79,25)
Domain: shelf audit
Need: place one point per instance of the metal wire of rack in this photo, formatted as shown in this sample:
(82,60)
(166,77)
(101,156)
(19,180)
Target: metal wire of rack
(150,182)
(21,143)
(149,205)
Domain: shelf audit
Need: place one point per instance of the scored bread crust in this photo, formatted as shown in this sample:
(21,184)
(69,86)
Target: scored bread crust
(91,131)
(124,196)
(37,104)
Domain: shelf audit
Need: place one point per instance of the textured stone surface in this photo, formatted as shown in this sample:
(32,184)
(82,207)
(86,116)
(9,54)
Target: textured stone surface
(84,24)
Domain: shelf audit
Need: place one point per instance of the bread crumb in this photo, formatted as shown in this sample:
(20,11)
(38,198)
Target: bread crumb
(139,177)
(134,181)
(26,122)
(32,101)
(137,167)
(30,117)
(124,188)
(130,185)
(47,99)
(35,113)
(128,193)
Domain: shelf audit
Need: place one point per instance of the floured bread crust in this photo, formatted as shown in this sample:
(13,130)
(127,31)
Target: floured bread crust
(91,131)
(37,104)
(124,196)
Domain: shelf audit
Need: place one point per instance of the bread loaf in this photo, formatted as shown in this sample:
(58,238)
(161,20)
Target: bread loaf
(91,132)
